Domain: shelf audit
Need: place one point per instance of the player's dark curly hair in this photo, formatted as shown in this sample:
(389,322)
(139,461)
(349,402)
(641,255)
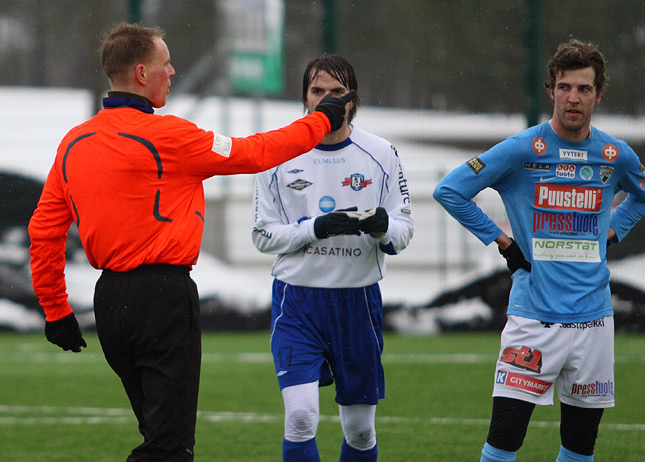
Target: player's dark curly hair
(575,54)
(339,68)
(125,46)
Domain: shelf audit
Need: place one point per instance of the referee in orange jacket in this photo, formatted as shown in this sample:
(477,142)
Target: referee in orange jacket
(132,182)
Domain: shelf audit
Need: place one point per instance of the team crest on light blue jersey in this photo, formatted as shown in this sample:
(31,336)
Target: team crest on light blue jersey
(605,172)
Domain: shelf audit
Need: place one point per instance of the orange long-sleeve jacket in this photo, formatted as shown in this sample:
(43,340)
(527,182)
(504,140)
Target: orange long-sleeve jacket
(132,182)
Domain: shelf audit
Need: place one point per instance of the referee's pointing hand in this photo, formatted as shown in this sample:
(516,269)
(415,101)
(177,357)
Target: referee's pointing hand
(334,108)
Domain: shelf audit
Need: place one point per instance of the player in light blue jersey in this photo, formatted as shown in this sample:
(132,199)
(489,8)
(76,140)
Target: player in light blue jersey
(557,181)
(330,217)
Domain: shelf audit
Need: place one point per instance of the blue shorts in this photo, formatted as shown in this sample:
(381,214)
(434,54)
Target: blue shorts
(314,330)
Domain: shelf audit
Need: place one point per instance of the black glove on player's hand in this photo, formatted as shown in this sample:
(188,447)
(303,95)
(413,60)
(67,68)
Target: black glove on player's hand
(338,222)
(65,333)
(375,222)
(334,108)
(514,257)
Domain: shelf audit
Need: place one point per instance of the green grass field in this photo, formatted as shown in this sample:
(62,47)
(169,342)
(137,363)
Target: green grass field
(58,406)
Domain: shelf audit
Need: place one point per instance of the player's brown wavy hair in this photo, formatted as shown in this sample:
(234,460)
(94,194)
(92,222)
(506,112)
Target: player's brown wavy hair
(125,46)
(575,54)
(339,68)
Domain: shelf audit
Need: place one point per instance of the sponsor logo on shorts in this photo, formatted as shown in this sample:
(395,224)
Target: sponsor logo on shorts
(584,325)
(593,389)
(524,358)
(476,165)
(575,155)
(566,250)
(523,382)
(577,198)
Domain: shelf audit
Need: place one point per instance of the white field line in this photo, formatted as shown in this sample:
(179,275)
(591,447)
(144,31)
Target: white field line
(264,358)
(59,415)
(248,358)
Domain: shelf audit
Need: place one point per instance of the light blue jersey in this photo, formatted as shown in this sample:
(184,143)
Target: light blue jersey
(558,196)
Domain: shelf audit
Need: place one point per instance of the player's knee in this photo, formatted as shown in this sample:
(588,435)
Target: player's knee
(509,423)
(301,424)
(358,428)
(579,428)
(361,439)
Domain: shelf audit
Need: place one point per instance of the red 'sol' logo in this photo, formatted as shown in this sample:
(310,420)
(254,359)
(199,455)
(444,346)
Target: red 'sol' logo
(539,146)
(610,152)
(524,358)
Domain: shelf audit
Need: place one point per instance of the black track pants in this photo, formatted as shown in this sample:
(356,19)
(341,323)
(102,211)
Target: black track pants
(148,324)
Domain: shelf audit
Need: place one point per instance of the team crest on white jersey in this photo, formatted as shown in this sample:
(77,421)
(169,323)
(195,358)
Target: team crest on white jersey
(356,181)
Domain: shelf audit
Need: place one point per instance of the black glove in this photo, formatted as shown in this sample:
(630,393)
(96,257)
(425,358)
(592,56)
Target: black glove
(338,222)
(514,257)
(65,333)
(375,222)
(334,108)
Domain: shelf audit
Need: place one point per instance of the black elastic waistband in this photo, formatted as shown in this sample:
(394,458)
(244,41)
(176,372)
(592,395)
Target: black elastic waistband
(157,267)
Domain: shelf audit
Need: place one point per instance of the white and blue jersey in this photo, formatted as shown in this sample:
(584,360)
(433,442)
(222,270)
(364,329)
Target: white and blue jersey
(363,171)
(558,197)
(326,307)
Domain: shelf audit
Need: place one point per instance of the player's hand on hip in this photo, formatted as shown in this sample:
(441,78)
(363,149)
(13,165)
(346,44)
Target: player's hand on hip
(334,108)
(514,257)
(65,333)
(338,222)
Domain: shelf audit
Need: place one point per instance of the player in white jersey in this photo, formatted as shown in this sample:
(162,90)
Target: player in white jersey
(557,181)
(330,217)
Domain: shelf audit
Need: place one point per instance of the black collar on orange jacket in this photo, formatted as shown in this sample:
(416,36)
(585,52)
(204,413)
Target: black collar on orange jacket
(118,99)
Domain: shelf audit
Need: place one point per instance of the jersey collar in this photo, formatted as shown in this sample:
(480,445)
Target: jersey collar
(335,147)
(120,99)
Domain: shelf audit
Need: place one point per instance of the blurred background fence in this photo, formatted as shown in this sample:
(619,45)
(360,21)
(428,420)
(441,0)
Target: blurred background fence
(442,80)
